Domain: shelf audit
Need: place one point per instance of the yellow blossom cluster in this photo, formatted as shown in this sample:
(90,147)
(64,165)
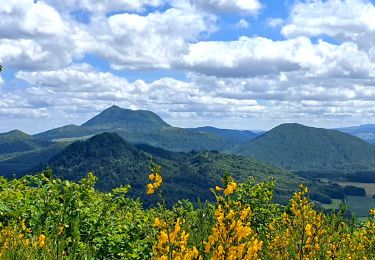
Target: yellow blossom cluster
(172,242)
(230,187)
(155,177)
(13,238)
(305,233)
(232,236)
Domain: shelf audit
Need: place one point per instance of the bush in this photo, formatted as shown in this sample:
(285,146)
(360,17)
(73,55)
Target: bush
(46,218)
(354,191)
(322,198)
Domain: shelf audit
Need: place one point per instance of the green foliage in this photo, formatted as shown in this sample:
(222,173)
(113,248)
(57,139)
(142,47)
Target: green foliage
(42,217)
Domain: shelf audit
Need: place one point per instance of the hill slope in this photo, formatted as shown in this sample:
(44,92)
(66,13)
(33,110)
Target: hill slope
(18,141)
(186,175)
(301,148)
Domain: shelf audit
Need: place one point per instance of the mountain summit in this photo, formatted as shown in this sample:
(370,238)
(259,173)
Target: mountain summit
(299,147)
(119,118)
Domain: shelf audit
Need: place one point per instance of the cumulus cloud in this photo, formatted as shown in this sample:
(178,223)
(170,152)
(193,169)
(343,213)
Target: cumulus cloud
(242,24)
(229,6)
(249,57)
(104,6)
(35,36)
(151,41)
(342,19)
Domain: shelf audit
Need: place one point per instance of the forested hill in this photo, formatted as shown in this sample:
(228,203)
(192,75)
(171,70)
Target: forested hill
(299,147)
(18,141)
(186,175)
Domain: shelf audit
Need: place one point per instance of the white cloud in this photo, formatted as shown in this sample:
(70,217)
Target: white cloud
(342,19)
(242,24)
(228,6)
(35,36)
(137,42)
(80,90)
(249,57)
(23,18)
(104,6)
(275,22)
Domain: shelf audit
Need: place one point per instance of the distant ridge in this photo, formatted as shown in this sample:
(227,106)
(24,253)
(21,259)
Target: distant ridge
(141,126)
(230,134)
(299,147)
(365,132)
(116,117)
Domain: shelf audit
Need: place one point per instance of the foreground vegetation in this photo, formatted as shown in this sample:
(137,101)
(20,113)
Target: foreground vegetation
(42,217)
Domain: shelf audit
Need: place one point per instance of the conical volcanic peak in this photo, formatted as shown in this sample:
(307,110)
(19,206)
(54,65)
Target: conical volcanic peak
(119,118)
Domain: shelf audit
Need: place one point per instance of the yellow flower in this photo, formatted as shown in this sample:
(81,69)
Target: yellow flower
(42,240)
(218,188)
(308,230)
(230,188)
(372,212)
(157,222)
(150,189)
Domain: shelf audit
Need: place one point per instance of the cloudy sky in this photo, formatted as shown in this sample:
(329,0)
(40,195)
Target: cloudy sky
(245,64)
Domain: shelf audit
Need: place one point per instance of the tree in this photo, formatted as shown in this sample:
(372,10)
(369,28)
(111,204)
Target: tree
(1,68)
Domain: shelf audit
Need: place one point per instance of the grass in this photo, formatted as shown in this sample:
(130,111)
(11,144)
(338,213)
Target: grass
(359,206)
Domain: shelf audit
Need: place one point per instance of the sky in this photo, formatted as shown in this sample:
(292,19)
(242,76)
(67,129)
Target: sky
(240,64)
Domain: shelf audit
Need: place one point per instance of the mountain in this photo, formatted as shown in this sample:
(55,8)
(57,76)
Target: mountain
(365,132)
(229,134)
(301,148)
(18,141)
(186,175)
(140,126)
(120,118)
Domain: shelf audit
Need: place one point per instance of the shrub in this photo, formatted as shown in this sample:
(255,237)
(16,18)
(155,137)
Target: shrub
(354,191)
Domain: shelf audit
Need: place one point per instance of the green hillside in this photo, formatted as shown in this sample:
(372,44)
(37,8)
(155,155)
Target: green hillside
(18,141)
(68,131)
(302,148)
(187,175)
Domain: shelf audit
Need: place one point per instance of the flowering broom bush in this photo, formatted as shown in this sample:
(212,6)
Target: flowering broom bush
(46,218)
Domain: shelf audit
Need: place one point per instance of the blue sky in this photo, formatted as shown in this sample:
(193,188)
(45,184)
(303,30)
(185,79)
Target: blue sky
(244,64)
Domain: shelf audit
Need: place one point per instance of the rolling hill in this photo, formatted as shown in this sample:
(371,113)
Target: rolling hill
(308,149)
(186,175)
(140,126)
(18,141)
